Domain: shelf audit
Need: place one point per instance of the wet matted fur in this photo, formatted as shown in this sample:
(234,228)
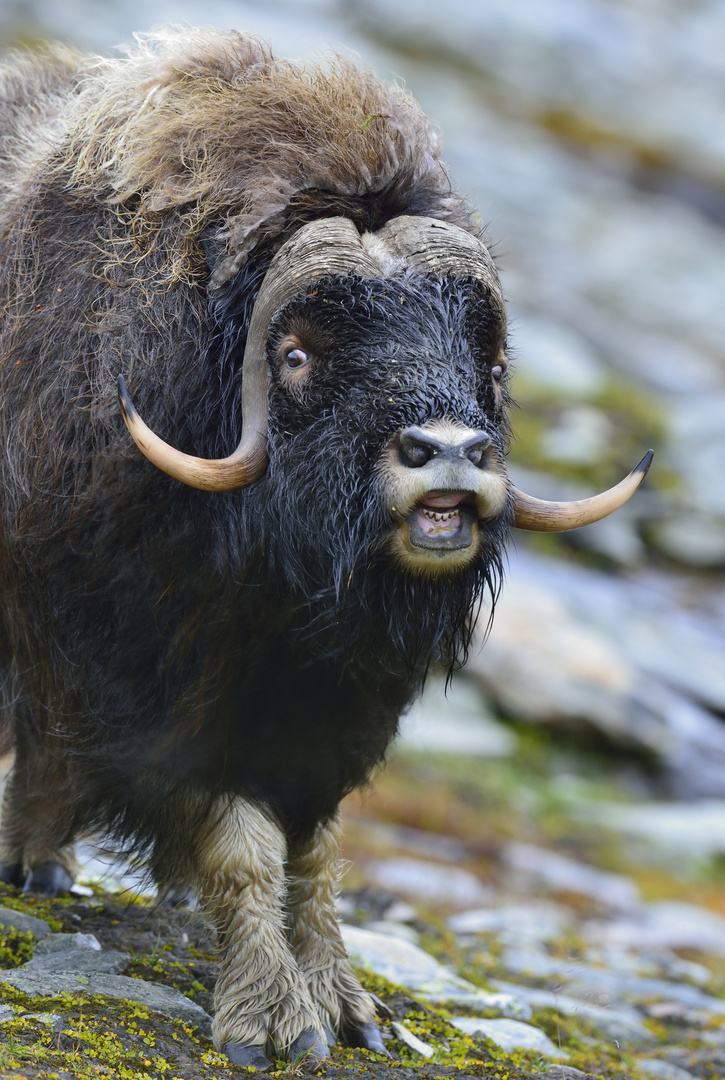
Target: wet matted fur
(208,675)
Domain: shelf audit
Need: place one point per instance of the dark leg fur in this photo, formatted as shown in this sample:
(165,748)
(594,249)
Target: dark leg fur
(34,848)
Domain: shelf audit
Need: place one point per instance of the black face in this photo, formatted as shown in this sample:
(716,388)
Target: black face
(355,363)
(380,356)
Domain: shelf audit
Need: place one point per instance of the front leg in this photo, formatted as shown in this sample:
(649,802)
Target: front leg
(313,872)
(260,992)
(35,847)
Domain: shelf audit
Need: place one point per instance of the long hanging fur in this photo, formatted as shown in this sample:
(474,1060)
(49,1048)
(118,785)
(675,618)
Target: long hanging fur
(207,675)
(141,201)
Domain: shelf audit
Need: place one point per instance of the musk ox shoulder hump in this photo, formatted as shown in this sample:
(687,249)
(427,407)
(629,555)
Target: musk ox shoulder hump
(35,97)
(212,129)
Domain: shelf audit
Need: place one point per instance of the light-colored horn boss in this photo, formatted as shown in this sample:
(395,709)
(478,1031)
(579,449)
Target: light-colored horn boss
(327,248)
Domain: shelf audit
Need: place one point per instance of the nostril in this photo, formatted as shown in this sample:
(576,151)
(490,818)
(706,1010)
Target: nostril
(415,456)
(417,448)
(475,448)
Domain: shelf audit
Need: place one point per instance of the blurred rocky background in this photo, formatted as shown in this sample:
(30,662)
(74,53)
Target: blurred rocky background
(581,755)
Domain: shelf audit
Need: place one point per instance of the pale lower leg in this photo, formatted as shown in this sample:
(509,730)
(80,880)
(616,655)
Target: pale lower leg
(314,932)
(240,882)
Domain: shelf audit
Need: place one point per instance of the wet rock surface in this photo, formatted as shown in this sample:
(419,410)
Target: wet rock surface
(584,903)
(532,991)
(577,953)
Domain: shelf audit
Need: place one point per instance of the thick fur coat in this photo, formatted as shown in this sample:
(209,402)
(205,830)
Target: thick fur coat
(207,675)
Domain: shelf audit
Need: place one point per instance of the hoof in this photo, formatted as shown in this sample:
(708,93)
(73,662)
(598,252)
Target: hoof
(330,1036)
(12,874)
(309,1049)
(368,1037)
(249,1056)
(381,1008)
(177,897)
(49,878)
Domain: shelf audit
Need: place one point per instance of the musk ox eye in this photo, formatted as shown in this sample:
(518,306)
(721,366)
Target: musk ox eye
(497,373)
(296,358)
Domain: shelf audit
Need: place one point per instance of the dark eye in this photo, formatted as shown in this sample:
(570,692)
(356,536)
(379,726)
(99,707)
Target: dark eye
(296,358)
(497,373)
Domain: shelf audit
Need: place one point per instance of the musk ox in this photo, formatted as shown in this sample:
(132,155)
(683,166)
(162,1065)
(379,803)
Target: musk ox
(273,257)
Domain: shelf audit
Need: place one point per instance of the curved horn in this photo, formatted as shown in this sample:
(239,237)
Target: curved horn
(323,248)
(537,515)
(430,244)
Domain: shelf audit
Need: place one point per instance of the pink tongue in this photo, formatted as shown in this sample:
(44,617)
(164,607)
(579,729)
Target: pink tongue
(442,500)
(430,526)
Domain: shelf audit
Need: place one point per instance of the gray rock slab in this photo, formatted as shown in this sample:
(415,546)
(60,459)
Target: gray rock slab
(57,943)
(544,663)
(39,928)
(509,1035)
(6,1013)
(697,539)
(561,872)
(662,962)
(692,829)
(408,965)
(564,1072)
(55,1021)
(394,929)
(537,963)
(606,659)
(81,961)
(669,924)
(534,961)
(663,1070)
(157,998)
(427,881)
(610,986)
(455,721)
(515,922)
(623,1023)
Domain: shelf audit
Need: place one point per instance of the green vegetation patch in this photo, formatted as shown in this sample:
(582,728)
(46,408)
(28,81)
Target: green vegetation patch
(16,946)
(88,1037)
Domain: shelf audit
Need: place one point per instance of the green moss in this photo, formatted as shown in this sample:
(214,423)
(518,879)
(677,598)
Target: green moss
(40,907)
(637,421)
(16,946)
(96,1036)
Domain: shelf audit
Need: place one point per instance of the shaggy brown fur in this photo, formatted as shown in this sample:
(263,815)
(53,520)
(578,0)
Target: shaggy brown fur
(203,122)
(165,652)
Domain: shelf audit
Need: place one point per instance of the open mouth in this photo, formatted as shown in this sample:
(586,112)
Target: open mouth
(443,521)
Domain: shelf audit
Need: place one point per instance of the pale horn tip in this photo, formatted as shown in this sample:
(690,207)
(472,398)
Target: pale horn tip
(538,515)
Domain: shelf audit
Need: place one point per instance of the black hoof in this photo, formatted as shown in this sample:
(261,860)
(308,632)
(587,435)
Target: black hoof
(49,878)
(176,897)
(381,1008)
(368,1036)
(309,1049)
(12,874)
(249,1056)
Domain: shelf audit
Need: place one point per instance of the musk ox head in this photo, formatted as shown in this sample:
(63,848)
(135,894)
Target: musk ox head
(397,340)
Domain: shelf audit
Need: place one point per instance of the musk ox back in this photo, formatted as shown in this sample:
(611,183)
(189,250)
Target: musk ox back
(273,258)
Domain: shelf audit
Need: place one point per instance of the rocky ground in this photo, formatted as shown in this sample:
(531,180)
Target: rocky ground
(545,943)
(568,864)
